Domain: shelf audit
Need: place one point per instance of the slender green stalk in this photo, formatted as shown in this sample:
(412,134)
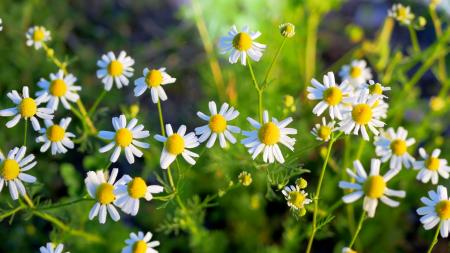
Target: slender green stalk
(435,238)
(358,229)
(12,212)
(258,90)
(96,103)
(25,133)
(311,43)
(269,70)
(442,68)
(69,203)
(161,119)
(414,40)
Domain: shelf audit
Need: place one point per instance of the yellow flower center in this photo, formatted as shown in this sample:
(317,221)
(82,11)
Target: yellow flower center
(217,123)
(432,163)
(58,88)
(296,199)
(39,34)
(105,194)
(324,132)
(355,72)
(175,144)
(376,89)
(154,78)
(374,186)
(28,107)
(443,209)
(362,114)
(332,96)
(115,68)
(55,133)
(245,178)
(10,169)
(402,13)
(137,188)
(269,133)
(398,147)
(242,41)
(140,247)
(124,137)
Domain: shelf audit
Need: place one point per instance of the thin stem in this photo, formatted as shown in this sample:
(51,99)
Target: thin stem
(358,229)
(435,238)
(29,201)
(442,69)
(69,203)
(12,212)
(266,78)
(311,41)
(96,103)
(25,133)
(161,119)
(258,90)
(414,40)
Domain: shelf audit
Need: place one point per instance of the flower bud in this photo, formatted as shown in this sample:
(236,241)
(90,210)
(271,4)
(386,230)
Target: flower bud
(287,30)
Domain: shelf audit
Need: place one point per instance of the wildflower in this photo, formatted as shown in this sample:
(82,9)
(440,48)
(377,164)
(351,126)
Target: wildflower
(177,144)
(437,104)
(101,188)
(372,187)
(356,73)
(153,79)
(27,108)
(241,44)
(37,36)
(295,197)
(56,136)
(323,131)
(431,167)
(130,190)
(12,168)
(289,104)
(376,88)
(436,210)
(401,13)
(115,70)
(52,248)
(394,146)
(333,97)
(267,137)
(287,30)
(301,183)
(125,137)
(348,250)
(218,125)
(140,243)
(245,178)
(60,87)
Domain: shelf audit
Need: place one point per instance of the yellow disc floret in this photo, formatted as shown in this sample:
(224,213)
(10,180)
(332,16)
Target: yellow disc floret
(105,194)
(140,247)
(362,114)
(217,123)
(115,68)
(10,169)
(39,34)
(175,144)
(154,78)
(355,72)
(58,88)
(296,199)
(324,132)
(374,186)
(28,107)
(242,41)
(432,163)
(124,137)
(55,133)
(269,133)
(332,96)
(443,209)
(398,147)
(376,89)
(137,188)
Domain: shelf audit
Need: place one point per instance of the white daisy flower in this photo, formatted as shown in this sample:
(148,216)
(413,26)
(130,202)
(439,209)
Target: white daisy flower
(59,88)
(357,73)
(176,144)
(295,197)
(115,70)
(348,250)
(37,36)
(394,146)
(102,189)
(124,137)
(401,13)
(153,79)
(12,168)
(323,131)
(333,97)
(56,136)
(436,210)
(140,243)
(131,190)
(365,112)
(431,167)
(267,137)
(376,88)
(27,108)
(217,125)
(1,25)
(241,44)
(372,187)
(52,248)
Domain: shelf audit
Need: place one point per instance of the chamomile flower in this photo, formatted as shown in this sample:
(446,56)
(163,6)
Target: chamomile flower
(431,167)
(56,136)
(348,250)
(394,146)
(140,243)
(37,36)
(376,88)
(436,210)
(27,108)
(153,79)
(333,97)
(115,70)
(131,190)
(296,198)
(52,248)
(12,168)
(101,188)
(356,73)
(323,131)
(241,44)
(125,138)
(267,137)
(401,13)
(176,144)
(372,187)
(217,125)
(59,88)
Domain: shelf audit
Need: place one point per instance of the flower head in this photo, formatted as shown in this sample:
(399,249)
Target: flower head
(287,30)
(245,178)
(59,88)
(52,248)
(356,73)
(37,36)
(115,70)
(394,146)
(56,136)
(401,13)
(323,131)
(431,167)
(140,243)
(153,79)
(295,197)
(436,210)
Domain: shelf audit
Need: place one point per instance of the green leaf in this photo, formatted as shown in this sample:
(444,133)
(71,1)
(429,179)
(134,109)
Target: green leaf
(71,178)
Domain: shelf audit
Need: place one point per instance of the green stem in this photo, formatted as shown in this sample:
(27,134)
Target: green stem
(435,238)
(12,212)
(64,204)
(358,229)
(161,119)
(25,133)
(258,90)
(97,102)
(266,78)
(414,40)
(311,41)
